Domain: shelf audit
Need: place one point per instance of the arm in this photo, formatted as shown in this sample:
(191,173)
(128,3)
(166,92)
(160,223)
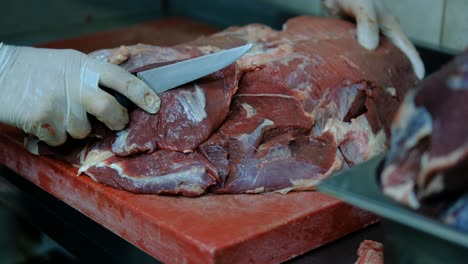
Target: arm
(49,92)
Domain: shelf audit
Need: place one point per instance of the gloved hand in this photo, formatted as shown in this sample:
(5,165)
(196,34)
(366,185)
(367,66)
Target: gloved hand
(49,92)
(370,15)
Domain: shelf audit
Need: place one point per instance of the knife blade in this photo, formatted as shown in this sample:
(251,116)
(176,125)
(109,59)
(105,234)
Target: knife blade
(168,77)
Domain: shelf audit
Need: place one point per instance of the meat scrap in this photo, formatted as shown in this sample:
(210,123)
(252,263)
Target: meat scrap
(261,144)
(303,103)
(370,252)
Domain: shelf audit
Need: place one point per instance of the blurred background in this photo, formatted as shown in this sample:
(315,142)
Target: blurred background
(436,24)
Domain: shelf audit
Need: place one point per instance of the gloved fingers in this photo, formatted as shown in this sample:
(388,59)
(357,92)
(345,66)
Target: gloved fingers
(136,90)
(364,13)
(332,7)
(45,121)
(391,28)
(367,26)
(78,125)
(105,108)
(51,132)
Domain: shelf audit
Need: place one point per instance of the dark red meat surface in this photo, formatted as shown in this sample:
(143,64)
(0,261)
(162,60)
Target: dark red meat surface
(428,158)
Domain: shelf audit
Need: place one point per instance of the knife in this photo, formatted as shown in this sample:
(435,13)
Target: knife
(170,76)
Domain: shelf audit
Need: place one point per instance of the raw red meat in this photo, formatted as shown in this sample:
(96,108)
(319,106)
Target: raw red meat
(429,151)
(309,100)
(370,252)
(264,147)
(348,92)
(188,116)
(161,172)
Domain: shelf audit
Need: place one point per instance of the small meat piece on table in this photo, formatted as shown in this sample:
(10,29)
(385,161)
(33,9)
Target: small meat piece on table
(370,252)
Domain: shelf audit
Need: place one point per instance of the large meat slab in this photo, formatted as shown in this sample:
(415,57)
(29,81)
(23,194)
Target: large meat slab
(303,103)
(269,228)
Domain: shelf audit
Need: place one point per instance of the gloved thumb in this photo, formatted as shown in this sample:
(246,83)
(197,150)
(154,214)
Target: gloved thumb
(367,23)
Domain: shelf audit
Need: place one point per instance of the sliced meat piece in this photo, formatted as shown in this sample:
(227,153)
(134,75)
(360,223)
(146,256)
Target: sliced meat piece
(161,172)
(263,147)
(370,252)
(188,116)
(283,164)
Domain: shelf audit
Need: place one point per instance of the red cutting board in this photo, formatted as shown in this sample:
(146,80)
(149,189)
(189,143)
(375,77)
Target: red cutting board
(268,228)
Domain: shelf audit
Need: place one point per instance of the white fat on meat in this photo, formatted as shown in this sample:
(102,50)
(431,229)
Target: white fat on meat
(277,152)
(310,184)
(250,111)
(182,178)
(411,124)
(249,140)
(208,49)
(260,55)
(335,110)
(436,185)
(377,143)
(94,157)
(402,192)
(391,91)
(433,163)
(341,130)
(340,156)
(120,143)
(193,103)
(256,190)
(265,95)
(119,56)
(302,72)
(136,56)
(349,62)
(458,80)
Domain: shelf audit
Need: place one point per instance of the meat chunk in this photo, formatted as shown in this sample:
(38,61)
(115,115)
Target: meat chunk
(339,88)
(301,104)
(429,150)
(161,172)
(370,252)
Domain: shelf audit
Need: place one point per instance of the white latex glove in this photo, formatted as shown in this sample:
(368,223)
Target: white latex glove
(370,15)
(48,92)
